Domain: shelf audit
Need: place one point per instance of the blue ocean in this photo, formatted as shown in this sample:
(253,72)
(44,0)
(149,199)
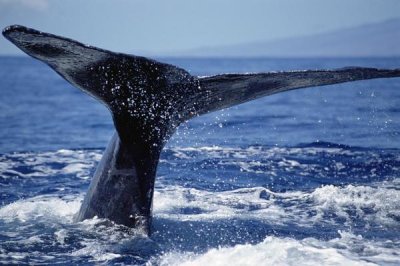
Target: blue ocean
(306,177)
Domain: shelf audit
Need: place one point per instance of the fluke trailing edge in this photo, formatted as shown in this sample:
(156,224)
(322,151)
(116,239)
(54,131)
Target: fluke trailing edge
(148,100)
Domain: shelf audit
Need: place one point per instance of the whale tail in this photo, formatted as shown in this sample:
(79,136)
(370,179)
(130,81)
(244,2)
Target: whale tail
(148,100)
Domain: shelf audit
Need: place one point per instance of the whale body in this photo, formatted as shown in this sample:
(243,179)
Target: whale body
(148,100)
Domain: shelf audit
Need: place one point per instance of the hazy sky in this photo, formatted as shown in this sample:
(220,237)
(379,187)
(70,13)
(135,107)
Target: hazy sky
(165,25)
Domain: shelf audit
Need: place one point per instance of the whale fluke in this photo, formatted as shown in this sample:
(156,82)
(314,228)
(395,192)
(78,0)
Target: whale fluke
(231,89)
(148,101)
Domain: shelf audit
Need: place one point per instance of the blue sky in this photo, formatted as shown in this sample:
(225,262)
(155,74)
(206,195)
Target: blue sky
(173,25)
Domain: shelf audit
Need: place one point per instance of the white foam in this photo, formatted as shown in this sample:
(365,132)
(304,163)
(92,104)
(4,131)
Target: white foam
(96,251)
(77,162)
(42,206)
(76,168)
(272,251)
(380,205)
(267,160)
(99,237)
(61,235)
(383,204)
(237,152)
(170,200)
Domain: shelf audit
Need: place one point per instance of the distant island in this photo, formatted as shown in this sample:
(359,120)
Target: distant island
(372,40)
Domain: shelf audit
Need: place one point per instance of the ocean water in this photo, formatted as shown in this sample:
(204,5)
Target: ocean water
(307,177)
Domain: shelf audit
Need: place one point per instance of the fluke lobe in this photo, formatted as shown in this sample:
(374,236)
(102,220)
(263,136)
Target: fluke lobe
(148,100)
